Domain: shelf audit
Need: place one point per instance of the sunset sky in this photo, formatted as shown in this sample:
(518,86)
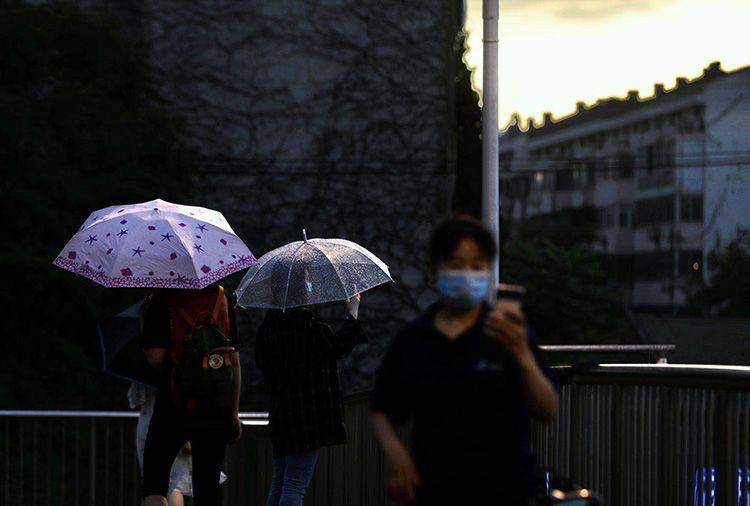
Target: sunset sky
(556,52)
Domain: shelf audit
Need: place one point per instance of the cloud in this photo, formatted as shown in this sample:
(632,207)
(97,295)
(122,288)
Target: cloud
(588,10)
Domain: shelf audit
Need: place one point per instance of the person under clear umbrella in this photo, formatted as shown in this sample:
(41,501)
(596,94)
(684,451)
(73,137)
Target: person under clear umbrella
(298,354)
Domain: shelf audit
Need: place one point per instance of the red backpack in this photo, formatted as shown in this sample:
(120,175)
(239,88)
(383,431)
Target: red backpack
(200,350)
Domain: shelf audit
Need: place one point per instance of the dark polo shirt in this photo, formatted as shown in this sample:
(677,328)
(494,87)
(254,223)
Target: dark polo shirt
(465,396)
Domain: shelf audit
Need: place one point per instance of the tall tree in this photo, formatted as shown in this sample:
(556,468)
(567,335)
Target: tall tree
(82,129)
(467,197)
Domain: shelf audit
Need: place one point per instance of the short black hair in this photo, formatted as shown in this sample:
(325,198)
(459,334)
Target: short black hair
(447,236)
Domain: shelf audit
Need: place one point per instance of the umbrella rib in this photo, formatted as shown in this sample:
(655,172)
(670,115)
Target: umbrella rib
(289,275)
(343,288)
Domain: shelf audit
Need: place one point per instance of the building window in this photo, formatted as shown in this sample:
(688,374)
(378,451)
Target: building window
(652,211)
(609,167)
(691,208)
(647,158)
(653,266)
(665,154)
(515,187)
(626,216)
(626,165)
(506,161)
(656,163)
(564,180)
(607,217)
(591,167)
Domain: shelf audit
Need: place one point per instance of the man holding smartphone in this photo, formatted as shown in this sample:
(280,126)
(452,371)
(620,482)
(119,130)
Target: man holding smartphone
(470,376)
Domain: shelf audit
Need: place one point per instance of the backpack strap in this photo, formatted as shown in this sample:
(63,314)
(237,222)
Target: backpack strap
(214,315)
(217,306)
(185,315)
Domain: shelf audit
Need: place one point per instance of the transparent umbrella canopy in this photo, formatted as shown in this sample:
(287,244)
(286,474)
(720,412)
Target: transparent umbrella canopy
(313,271)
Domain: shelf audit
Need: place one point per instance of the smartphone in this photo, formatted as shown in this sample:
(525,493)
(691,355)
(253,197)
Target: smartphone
(510,296)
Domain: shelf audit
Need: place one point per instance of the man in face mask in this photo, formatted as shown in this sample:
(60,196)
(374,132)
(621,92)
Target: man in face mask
(470,378)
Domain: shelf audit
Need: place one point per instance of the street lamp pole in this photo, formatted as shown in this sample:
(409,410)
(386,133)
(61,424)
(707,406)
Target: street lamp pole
(490,141)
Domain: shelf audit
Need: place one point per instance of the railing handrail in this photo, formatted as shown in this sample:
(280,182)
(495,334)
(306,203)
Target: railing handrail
(250,415)
(607,347)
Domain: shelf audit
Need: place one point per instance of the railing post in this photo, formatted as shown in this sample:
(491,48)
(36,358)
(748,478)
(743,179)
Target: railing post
(92,464)
(34,448)
(6,474)
(21,464)
(63,445)
(49,434)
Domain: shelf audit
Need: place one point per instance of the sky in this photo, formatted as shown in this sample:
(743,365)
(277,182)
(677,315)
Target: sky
(554,53)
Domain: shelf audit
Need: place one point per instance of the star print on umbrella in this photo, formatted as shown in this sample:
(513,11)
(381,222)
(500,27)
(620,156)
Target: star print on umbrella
(126,245)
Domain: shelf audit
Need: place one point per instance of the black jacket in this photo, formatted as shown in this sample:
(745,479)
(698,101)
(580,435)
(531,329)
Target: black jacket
(297,354)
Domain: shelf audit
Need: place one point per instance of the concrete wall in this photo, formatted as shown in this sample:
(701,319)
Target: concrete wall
(333,115)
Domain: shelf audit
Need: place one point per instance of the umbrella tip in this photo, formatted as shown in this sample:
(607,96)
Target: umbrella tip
(304,234)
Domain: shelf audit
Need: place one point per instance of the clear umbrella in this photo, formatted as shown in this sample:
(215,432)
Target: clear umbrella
(313,271)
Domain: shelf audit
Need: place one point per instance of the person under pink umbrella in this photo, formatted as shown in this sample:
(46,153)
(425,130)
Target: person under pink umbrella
(189,333)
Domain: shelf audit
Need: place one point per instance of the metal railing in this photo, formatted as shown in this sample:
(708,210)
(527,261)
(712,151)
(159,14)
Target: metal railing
(661,348)
(653,434)
(73,457)
(641,434)
(654,352)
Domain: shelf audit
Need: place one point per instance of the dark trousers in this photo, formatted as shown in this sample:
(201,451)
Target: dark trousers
(207,430)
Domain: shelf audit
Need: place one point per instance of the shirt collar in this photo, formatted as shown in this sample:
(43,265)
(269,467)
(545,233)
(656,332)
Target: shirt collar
(427,320)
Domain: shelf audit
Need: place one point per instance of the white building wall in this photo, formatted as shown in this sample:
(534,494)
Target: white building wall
(708,120)
(727,195)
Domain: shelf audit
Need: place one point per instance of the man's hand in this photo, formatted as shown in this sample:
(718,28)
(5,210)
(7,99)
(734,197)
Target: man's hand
(508,326)
(402,479)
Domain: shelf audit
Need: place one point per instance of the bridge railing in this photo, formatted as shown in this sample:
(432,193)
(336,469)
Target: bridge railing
(641,434)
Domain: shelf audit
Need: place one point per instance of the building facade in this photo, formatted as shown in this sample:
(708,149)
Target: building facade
(668,176)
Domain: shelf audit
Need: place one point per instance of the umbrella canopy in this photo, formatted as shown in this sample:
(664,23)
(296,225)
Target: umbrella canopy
(155,244)
(309,272)
(122,355)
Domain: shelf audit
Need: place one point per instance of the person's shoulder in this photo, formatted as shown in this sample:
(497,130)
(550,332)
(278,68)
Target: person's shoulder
(416,329)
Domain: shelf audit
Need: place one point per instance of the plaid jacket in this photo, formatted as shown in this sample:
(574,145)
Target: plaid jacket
(297,354)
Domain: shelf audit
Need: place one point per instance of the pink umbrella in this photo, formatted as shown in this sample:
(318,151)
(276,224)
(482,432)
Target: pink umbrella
(155,245)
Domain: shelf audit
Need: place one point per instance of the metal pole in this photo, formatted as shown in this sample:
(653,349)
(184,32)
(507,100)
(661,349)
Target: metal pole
(490,141)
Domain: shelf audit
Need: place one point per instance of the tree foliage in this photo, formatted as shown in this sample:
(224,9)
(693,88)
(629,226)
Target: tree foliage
(467,198)
(728,289)
(82,130)
(569,297)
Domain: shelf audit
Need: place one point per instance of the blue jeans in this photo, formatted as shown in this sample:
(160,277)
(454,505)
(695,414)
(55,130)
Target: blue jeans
(291,477)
